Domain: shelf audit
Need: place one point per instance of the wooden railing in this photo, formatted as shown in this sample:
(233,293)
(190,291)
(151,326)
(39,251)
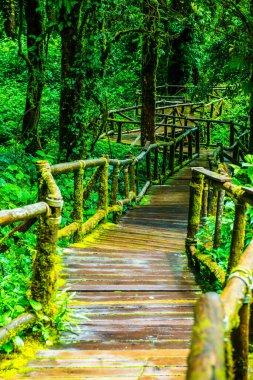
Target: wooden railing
(167,114)
(220,339)
(115,184)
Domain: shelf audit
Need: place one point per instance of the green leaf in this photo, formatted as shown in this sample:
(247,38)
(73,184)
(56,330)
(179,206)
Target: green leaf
(35,305)
(8,347)
(18,341)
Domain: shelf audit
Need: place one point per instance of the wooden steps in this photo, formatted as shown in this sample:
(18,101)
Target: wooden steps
(134,296)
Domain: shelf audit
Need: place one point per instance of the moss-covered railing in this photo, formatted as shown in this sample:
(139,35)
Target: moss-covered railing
(220,340)
(114,183)
(170,117)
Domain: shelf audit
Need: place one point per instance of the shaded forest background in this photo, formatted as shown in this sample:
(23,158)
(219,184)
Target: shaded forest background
(65,64)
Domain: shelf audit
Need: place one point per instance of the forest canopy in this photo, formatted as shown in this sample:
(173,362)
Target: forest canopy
(64,65)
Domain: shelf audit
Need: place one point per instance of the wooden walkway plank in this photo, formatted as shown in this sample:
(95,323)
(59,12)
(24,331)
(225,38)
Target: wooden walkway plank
(134,296)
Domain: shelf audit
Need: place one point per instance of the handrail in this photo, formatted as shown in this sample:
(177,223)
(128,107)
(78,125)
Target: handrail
(175,111)
(237,292)
(174,154)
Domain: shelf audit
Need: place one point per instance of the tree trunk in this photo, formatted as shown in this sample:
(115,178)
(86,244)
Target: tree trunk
(149,68)
(9,13)
(70,135)
(35,61)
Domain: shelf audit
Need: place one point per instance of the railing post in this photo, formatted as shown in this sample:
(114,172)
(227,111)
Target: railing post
(190,146)
(103,187)
(218,222)
(156,163)
(172,157)
(207,356)
(115,184)
(119,138)
(132,179)
(238,235)
(205,199)
(148,165)
(126,182)
(164,163)
(231,133)
(78,202)
(208,133)
(197,150)
(240,343)
(195,207)
(211,111)
(45,271)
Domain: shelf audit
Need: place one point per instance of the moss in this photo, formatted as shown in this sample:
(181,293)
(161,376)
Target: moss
(14,363)
(145,200)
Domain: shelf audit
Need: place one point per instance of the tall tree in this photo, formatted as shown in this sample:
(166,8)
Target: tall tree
(35,17)
(83,63)
(9,15)
(150,47)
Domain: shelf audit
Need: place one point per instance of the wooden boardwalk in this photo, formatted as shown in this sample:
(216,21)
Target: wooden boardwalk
(133,284)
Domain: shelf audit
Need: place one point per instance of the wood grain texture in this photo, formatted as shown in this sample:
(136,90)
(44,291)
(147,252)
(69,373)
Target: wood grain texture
(134,296)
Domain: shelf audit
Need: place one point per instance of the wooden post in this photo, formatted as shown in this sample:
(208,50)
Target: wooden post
(148,166)
(172,157)
(137,177)
(207,355)
(195,206)
(156,163)
(132,179)
(103,187)
(164,163)
(240,343)
(208,133)
(173,131)
(119,138)
(190,146)
(126,182)
(45,265)
(205,199)
(115,184)
(218,222)
(78,202)
(214,199)
(211,111)
(236,152)
(197,148)
(238,235)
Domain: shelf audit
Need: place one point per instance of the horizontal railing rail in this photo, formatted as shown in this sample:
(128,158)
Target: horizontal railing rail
(168,113)
(220,340)
(114,183)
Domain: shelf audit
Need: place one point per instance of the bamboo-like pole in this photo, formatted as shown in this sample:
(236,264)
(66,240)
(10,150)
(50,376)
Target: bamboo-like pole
(218,221)
(195,206)
(207,355)
(45,265)
(78,202)
(237,243)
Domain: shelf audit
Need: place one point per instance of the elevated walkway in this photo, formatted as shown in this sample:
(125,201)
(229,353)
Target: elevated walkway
(132,282)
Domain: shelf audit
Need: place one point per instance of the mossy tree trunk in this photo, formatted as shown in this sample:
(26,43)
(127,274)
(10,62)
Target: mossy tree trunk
(149,68)
(72,82)
(9,14)
(84,55)
(34,14)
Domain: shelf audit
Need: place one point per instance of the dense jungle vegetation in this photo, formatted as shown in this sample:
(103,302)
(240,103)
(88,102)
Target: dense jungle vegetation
(64,64)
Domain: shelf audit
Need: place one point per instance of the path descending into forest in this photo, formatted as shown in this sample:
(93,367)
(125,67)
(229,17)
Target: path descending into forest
(133,284)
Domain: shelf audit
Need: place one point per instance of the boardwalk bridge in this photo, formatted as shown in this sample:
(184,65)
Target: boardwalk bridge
(133,292)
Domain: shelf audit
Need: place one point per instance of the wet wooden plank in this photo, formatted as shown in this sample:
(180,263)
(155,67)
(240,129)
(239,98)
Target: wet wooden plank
(133,284)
